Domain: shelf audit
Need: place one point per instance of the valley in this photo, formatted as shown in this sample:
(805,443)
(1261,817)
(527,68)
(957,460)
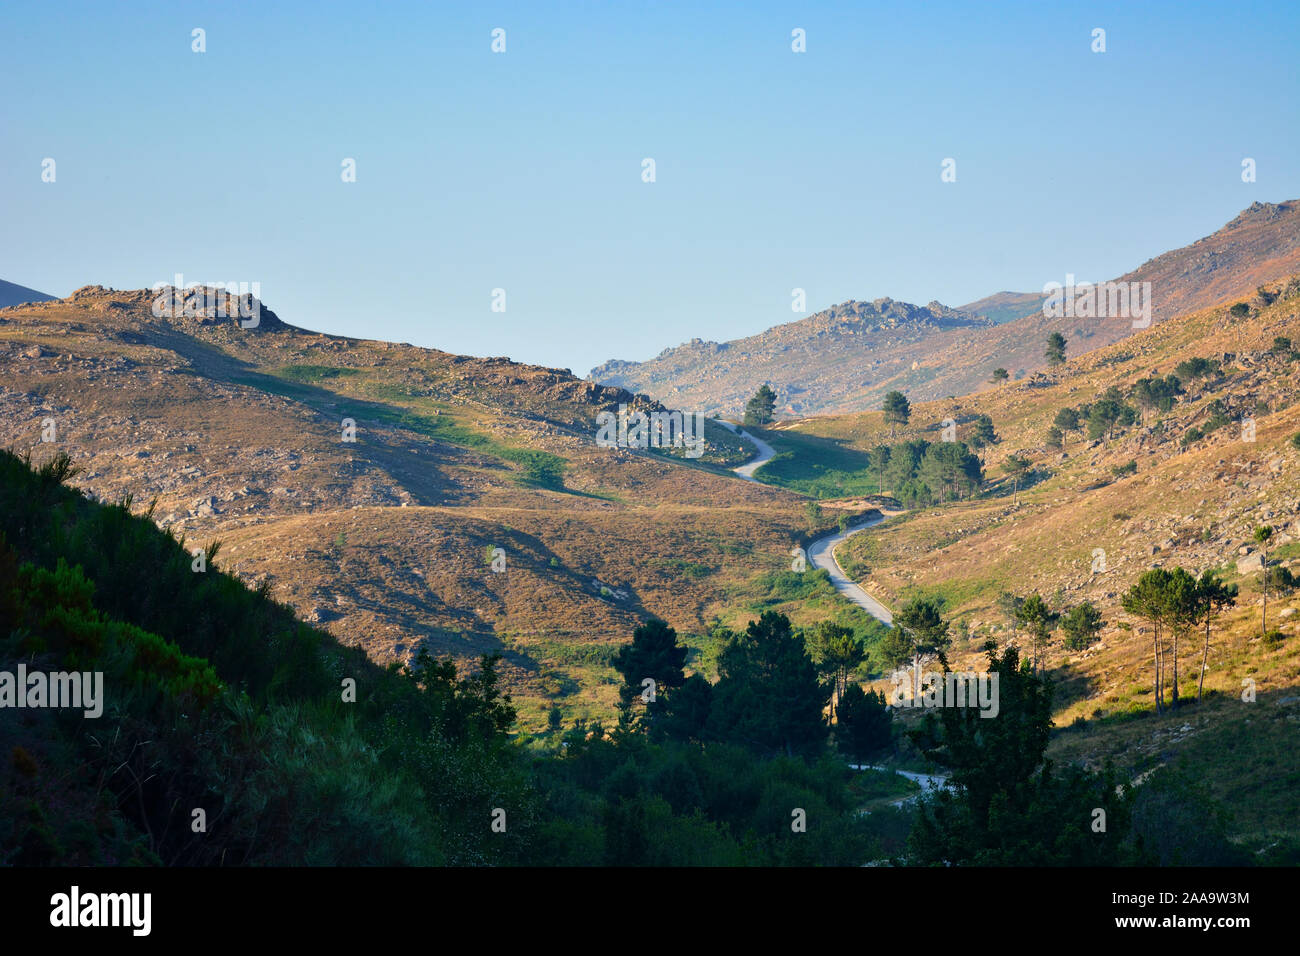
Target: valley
(407,500)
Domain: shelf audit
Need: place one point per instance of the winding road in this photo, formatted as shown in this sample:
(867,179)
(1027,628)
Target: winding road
(765,452)
(821,552)
(928,781)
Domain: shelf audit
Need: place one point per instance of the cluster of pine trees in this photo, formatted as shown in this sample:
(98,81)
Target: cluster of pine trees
(233,734)
(920,473)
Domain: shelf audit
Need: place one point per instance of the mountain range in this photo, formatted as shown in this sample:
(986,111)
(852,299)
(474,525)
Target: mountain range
(847,357)
(11,294)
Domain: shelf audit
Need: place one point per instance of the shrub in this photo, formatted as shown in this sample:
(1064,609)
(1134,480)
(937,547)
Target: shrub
(1281,578)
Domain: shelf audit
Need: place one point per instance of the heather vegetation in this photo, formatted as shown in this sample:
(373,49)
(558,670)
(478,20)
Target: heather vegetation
(295,750)
(220,701)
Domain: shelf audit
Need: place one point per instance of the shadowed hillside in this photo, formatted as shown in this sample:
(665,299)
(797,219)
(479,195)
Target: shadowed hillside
(387,540)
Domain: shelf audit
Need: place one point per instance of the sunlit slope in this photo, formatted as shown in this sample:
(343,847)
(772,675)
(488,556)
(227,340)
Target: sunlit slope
(368,482)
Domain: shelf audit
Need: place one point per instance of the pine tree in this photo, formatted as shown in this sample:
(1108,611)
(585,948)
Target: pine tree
(864,727)
(1263,535)
(1082,623)
(898,411)
(762,407)
(655,654)
(1055,349)
(1212,596)
(768,697)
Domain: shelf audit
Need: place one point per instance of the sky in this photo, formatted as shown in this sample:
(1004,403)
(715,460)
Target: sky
(523,170)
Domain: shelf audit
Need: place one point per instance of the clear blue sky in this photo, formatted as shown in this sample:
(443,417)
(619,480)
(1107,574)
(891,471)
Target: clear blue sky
(522,170)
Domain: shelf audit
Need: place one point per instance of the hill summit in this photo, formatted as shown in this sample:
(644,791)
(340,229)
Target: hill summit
(847,357)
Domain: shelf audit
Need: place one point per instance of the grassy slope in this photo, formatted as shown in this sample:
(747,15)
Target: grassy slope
(382,541)
(1192,506)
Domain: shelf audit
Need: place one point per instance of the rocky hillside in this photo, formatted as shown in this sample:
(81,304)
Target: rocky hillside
(368,483)
(831,363)
(1183,485)
(806,360)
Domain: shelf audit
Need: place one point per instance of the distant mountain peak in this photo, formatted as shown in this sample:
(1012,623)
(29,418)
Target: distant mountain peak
(13,294)
(846,357)
(1262,212)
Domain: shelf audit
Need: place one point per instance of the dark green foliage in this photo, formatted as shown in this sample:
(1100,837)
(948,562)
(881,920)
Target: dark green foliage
(537,469)
(950,470)
(768,697)
(897,409)
(654,654)
(1009,604)
(836,652)
(625,800)
(1194,368)
(216,698)
(1009,806)
(1000,375)
(1082,624)
(864,728)
(1055,349)
(1174,602)
(983,433)
(1239,310)
(315,373)
(880,456)
(1219,417)
(58,470)
(897,469)
(686,711)
(1039,621)
(761,409)
(920,630)
(1017,467)
(678,795)
(894,649)
(1157,393)
(1281,580)
(1067,420)
(1181,824)
(1108,413)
